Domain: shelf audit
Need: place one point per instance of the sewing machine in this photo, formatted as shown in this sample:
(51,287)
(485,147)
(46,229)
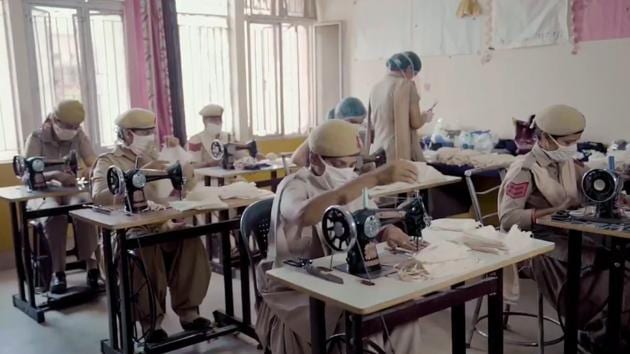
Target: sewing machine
(130,184)
(34,167)
(226,152)
(378,158)
(603,187)
(356,232)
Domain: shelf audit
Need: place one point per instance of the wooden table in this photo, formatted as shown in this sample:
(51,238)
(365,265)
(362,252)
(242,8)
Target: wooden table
(389,295)
(619,240)
(217,175)
(119,307)
(17,197)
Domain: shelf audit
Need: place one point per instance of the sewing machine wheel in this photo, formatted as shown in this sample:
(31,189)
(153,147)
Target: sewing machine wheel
(371,226)
(38,165)
(600,185)
(339,228)
(116,181)
(216,150)
(19,165)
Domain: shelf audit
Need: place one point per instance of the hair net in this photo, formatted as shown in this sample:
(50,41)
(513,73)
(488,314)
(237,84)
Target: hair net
(415,60)
(399,62)
(349,108)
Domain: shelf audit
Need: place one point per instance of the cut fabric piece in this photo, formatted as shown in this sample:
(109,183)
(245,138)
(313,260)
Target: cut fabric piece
(452,224)
(436,29)
(174,154)
(518,23)
(382,28)
(601,19)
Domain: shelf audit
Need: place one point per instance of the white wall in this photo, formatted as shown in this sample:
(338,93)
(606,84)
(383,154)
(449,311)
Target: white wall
(515,83)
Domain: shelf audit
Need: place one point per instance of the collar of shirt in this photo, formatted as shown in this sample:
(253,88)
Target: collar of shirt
(541,157)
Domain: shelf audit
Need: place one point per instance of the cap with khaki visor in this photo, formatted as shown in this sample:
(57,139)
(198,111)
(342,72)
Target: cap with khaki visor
(70,112)
(211,110)
(560,120)
(335,138)
(136,118)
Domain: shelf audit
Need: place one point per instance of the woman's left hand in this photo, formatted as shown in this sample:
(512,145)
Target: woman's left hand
(395,237)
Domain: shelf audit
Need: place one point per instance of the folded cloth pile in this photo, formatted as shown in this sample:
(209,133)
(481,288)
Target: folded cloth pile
(461,157)
(452,224)
(244,162)
(444,258)
(426,174)
(203,197)
(487,239)
(241,190)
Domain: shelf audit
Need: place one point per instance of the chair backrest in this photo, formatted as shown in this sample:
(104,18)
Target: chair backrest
(474,194)
(256,221)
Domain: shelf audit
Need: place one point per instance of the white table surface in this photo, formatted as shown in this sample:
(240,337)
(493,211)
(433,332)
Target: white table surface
(400,188)
(220,172)
(21,193)
(389,291)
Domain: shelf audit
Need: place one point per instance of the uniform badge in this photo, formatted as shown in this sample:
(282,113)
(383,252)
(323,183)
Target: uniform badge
(517,190)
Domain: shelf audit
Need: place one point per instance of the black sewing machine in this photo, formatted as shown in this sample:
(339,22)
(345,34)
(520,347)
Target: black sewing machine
(356,232)
(130,184)
(34,167)
(603,187)
(378,158)
(226,152)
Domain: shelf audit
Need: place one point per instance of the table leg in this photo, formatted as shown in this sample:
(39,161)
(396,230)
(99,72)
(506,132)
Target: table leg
(27,256)
(274,180)
(495,317)
(110,287)
(615,297)
(354,333)
(458,326)
(221,182)
(17,248)
(126,321)
(572,289)
(318,326)
(227,273)
(244,269)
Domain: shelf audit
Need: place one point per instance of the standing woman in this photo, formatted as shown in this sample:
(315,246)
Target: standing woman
(394,114)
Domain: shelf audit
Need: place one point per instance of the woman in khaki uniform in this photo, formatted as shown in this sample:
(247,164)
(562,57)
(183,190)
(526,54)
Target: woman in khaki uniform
(542,182)
(283,323)
(180,266)
(60,133)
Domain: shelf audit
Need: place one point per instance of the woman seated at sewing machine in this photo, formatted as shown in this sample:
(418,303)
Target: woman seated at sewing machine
(547,180)
(350,109)
(301,199)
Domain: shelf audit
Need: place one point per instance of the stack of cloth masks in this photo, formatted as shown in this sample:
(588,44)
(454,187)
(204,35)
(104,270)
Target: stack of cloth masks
(477,159)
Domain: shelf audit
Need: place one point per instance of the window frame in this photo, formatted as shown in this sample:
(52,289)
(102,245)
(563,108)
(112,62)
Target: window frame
(309,23)
(5,13)
(87,70)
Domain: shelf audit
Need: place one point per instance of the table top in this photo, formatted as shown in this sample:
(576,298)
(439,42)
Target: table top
(22,194)
(119,219)
(594,228)
(220,172)
(387,292)
(400,188)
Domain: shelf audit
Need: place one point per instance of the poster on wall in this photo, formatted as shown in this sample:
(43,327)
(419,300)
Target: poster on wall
(518,23)
(438,31)
(601,19)
(383,28)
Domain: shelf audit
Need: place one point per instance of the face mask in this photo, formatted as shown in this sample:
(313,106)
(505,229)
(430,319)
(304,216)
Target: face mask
(213,129)
(339,176)
(62,133)
(142,143)
(563,153)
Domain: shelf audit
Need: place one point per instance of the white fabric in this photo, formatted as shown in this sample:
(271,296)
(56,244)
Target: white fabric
(444,258)
(174,154)
(202,197)
(452,224)
(382,28)
(477,159)
(426,174)
(518,23)
(437,31)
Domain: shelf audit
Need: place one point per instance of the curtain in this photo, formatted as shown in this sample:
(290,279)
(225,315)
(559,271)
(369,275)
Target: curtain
(148,64)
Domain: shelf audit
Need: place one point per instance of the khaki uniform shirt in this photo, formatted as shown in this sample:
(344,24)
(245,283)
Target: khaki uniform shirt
(199,145)
(42,142)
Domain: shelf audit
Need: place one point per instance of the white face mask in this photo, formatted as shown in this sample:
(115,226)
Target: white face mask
(141,143)
(339,176)
(563,153)
(63,133)
(213,129)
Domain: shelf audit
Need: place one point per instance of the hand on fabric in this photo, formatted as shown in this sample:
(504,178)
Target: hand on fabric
(171,141)
(66,179)
(188,170)
(396,171)
(395,237)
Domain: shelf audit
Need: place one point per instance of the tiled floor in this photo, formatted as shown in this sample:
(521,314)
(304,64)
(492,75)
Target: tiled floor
(78,330)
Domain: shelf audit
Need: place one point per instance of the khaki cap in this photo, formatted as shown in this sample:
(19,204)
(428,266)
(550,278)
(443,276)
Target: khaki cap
(136,118)
(70,112)
(211,110)
(560,120)
(334,138)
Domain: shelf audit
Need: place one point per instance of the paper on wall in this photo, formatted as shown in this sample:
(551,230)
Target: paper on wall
(436,29)
(601,19)
(518,23)
(382,28)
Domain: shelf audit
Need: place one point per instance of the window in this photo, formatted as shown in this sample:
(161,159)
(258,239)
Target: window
(280,8)
(279,69)
(205,56)
(79,52)
(8,137)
